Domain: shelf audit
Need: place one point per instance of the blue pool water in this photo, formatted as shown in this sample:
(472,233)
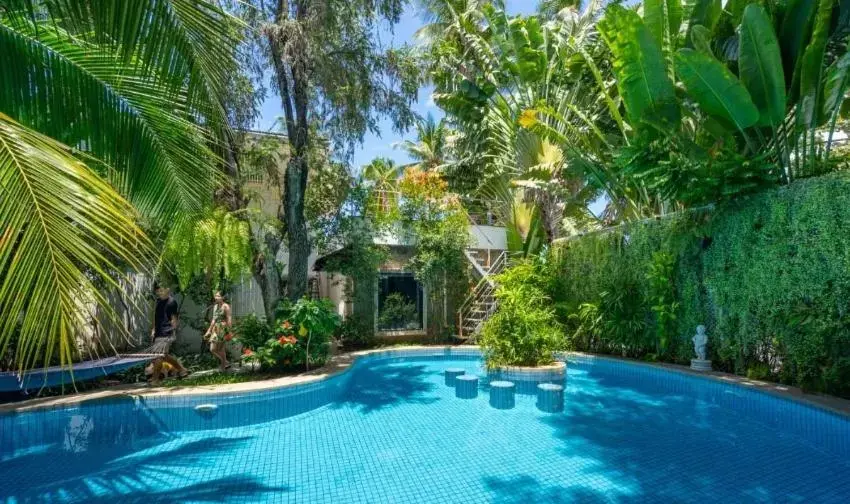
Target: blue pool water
(390,430)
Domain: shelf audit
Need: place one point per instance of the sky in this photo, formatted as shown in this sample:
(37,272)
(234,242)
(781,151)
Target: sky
(383,145)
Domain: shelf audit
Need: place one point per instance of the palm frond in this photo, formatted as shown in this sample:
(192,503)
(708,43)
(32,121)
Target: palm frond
(64,231)
(144,102)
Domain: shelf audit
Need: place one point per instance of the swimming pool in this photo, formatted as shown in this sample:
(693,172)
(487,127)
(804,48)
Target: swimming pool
(390,430)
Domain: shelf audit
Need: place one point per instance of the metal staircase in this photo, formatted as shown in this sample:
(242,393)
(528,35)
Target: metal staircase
(481,303)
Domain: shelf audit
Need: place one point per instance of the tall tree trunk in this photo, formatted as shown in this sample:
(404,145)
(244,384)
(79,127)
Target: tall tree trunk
(267,274)
(292,86)
(296,227)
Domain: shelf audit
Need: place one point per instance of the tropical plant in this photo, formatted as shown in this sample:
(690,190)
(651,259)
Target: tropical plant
(216,247)
(523,331)
(382,174)
(252,332)
(312,323)
(491,75)
(431,149)
(435,223)
(99,112)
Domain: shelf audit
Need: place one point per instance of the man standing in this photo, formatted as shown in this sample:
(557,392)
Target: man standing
(164,332)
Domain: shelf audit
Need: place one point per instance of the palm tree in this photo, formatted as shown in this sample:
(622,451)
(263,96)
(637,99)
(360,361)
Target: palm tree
(110,114)
(431,149)
(383,175)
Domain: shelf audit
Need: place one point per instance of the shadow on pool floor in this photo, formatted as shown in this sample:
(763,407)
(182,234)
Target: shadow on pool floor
(376,387)
(111,475)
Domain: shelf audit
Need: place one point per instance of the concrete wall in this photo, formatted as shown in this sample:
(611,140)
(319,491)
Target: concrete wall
(488,237)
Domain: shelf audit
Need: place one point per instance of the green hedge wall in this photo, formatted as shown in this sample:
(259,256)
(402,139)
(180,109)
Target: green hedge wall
(769,276)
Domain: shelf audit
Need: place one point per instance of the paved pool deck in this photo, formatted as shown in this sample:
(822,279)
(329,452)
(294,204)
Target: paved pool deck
(340,362)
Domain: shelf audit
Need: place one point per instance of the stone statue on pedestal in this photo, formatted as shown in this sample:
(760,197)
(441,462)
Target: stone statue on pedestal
(700,340)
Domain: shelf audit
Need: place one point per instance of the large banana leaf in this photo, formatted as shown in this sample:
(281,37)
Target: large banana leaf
(811,70)
(642,79)
(837,80)
(760,66)
(716,90)
(794,36)
(705,13)
(64,233)
(663,18)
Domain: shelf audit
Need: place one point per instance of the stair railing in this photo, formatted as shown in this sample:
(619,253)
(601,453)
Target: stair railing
(480,299)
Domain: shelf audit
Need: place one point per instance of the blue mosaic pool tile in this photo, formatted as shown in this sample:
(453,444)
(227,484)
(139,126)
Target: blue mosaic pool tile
(390,431)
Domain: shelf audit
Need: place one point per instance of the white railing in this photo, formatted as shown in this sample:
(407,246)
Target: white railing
(481,302)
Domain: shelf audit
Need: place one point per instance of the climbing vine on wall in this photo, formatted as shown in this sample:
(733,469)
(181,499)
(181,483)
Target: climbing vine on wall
(769,275)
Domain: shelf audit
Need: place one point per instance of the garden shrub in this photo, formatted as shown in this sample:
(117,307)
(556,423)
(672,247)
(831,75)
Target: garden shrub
(524,330)
(302,336)
(252,332)
(398,312)
(768,274)
(355,333)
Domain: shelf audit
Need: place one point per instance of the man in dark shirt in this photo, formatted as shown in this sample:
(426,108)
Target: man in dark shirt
(164,333)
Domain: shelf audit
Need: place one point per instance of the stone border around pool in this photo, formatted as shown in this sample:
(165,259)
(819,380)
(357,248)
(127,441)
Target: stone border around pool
(541,373)
(342,362)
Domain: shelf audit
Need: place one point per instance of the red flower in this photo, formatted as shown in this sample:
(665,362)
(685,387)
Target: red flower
(228,337)
(247,351)
(283,340)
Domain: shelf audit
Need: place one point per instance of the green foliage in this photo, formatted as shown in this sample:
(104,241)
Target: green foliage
(716,89)
(398,312)
(111,112)
(760,64)
(434,221)
(640,67)
(355,333)
(523,331)
(215,245)
(662,298)
(252,332)
(301,336)
(767,274)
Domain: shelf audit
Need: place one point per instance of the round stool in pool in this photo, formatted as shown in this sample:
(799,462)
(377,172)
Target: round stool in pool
(451,374)
(550,397)
(502,394)
(466,386)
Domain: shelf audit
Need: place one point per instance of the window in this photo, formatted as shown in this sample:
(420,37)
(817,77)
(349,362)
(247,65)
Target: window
(400,302)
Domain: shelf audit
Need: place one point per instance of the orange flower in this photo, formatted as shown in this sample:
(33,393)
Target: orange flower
(286,324)
(228,337)
(283,340)
(247,351)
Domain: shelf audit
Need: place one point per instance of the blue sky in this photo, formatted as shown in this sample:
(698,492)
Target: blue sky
(382,145)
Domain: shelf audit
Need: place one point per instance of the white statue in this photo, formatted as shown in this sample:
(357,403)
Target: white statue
(700,339)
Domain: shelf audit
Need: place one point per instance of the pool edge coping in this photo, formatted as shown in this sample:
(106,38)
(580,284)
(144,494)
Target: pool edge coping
(340,363)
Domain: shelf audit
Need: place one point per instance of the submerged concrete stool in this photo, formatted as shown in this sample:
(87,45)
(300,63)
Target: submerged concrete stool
(466,386)
(550,397)
(502,394)
(452,373)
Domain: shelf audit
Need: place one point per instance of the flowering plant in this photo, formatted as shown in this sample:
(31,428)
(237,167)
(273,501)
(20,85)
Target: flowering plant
(300,337)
